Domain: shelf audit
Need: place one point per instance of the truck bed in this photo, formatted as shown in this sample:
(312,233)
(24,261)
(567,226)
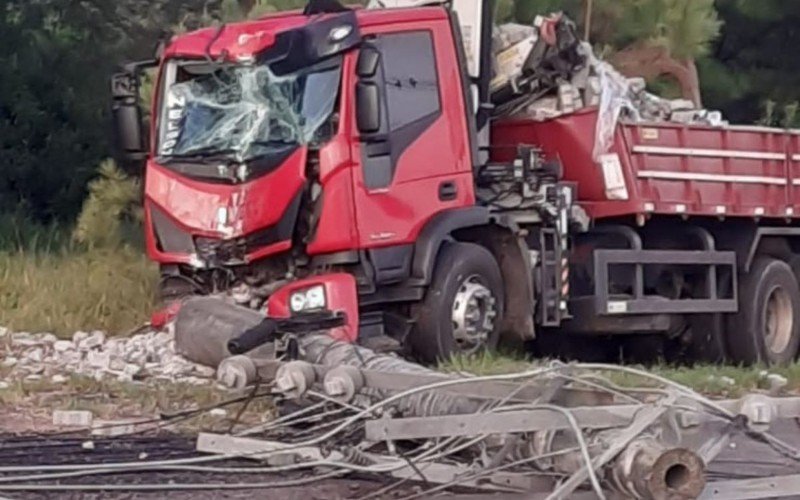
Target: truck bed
(669,168)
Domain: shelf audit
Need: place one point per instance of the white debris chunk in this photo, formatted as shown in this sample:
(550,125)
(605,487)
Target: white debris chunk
(35,355)
(95,339)
(777,383)
(79,337)
(63,345)
(72,418)
(99,359)
(113,428)
(48,338)
(88,445)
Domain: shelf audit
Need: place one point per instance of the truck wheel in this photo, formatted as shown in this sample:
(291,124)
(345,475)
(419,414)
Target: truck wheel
(462,309)
(767,327)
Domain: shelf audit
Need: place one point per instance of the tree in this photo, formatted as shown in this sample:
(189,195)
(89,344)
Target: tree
(56,58)
(669,36)
(753,61)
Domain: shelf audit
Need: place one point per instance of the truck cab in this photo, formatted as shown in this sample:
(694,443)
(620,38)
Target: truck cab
(294,146)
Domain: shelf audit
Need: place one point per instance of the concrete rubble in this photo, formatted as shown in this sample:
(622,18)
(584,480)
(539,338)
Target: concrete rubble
(545,71)
(146,356)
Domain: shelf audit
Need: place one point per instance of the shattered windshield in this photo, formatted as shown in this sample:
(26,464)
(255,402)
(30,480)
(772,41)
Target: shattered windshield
(244,112)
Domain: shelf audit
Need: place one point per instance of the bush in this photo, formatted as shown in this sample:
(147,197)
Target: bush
(76,289)
(112,204)
(95,276)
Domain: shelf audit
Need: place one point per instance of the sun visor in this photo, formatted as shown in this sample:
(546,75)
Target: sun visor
(302,47)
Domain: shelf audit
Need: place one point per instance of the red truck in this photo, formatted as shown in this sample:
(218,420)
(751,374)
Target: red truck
(331,168)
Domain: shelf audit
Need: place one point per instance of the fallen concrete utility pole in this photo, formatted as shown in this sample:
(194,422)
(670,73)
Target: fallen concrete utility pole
(557,431)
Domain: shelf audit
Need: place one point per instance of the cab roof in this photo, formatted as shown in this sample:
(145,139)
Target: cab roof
(216,41)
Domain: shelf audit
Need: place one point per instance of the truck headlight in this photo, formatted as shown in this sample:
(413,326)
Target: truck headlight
(309,299)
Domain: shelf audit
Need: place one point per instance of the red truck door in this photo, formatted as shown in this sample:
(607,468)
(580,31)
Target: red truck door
(420,163)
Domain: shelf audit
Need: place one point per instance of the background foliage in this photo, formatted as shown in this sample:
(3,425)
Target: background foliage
(56,57)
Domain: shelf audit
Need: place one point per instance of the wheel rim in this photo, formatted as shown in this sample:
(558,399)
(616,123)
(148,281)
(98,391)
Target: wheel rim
(779,321)
(473,314)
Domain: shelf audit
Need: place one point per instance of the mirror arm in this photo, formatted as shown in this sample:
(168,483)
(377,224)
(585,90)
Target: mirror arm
(136,67)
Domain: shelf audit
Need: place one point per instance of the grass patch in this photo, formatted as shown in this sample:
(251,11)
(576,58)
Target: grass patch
(114,400)
(719,381)
(66,291)
(49,283)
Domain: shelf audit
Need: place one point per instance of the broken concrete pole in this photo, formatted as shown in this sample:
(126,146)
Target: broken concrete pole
(204,326)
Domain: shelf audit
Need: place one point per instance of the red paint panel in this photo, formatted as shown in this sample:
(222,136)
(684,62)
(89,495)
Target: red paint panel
(336,230)
(255,205)
(341,295)
(742,186)
(699,170)
(395,215)
(793,153)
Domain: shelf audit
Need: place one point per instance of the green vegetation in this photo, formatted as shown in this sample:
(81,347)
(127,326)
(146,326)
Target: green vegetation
(76,289)
(95,277)
(34,401)
(718,381)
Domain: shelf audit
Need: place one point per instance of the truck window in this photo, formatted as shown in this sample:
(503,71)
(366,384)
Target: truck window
(411,101)
(412,86)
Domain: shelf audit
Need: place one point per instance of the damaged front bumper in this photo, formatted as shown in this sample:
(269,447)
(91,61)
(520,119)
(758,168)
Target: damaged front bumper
(325,303)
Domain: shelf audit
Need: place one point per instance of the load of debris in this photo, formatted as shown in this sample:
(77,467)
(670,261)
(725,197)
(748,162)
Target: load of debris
(545,71)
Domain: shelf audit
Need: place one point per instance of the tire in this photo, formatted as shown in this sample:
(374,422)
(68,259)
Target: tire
(464,271)
(766,329)
(708,341)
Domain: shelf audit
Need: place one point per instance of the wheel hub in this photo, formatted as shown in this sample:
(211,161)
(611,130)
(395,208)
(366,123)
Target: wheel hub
(474,310)
(779,321)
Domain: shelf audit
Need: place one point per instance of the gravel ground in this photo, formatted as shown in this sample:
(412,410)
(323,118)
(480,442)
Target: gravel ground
(147,355)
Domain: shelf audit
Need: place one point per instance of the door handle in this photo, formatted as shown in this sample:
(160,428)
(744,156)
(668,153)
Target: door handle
(448,191)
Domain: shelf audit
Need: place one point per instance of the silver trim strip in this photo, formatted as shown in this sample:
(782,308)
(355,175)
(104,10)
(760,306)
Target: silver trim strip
(692,176)
(708,153)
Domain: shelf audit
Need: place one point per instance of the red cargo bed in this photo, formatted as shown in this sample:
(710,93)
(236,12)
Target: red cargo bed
(669,168)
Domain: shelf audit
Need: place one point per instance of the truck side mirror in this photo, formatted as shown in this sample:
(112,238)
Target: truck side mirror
(368,91)
(130,141)
(368,107)
(368,60)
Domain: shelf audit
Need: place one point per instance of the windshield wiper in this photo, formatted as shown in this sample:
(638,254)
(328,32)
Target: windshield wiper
(201,155)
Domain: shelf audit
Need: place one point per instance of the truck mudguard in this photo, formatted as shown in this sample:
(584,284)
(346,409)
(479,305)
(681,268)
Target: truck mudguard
(436,231)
